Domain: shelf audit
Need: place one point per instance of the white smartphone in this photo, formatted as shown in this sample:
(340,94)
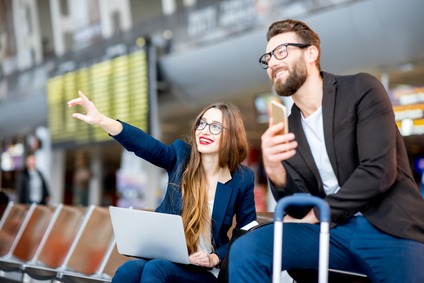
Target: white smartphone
(279,114)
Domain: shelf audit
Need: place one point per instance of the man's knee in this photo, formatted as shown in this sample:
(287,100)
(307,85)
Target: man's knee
(235,250)
(251,257)
(240,248)
(243,249)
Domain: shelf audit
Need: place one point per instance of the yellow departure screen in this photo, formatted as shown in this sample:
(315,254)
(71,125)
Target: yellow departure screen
(117,86)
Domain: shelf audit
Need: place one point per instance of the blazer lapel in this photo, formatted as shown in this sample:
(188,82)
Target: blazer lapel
(222,198)
(303,149)
(328,109)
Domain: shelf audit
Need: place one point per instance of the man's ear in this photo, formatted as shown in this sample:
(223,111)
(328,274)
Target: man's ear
(311,54)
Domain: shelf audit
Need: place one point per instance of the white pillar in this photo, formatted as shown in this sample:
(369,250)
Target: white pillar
(57,176)
(44,154)
(110,7)
(59,22)
(95,188)
(27,31)
(78,18)
(385,80)
(188,3)
(154,184)
(168,7)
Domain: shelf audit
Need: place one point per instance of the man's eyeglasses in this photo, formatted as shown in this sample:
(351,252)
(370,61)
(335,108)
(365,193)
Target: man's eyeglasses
(280,52)
(214,128)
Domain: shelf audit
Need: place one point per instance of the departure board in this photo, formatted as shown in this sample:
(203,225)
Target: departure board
(114,78)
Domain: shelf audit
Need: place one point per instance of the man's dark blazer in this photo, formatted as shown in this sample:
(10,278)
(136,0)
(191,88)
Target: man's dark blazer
(368,157)
(24,187)
(232,198)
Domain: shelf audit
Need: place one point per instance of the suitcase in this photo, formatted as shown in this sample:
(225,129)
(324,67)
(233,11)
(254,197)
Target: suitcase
(302,199)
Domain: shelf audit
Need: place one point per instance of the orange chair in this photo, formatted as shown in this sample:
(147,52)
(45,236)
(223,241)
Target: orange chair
(33,233)
(56,245)
(114,261)
(3,208)
(91,249)
(87,255)
(11,221)
(28,238)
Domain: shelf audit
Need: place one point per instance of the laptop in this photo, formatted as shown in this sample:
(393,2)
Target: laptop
(150,235)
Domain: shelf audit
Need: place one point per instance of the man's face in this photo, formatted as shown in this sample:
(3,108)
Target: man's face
(30,162)
(289,74)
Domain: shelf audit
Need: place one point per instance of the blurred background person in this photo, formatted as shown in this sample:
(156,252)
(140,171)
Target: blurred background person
(82,176)
(4,200)
(32,187)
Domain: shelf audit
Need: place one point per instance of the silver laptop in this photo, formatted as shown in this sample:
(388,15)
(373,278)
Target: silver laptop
(148,234)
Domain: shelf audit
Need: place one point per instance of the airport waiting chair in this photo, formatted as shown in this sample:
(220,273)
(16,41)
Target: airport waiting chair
(87,255)
(10,223)
(264,217)
(114,261)
(33,232)
(3,207)
(91,250)
(54,248)
(28,238)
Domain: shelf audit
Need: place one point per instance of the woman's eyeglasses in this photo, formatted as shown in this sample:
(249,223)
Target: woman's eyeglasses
(214,128)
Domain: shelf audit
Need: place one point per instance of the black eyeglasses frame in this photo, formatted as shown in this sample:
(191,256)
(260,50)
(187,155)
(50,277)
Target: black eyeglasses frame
(209,124)
(263,62)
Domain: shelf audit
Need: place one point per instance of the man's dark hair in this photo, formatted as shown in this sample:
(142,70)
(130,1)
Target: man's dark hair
(304,33)
(29,153)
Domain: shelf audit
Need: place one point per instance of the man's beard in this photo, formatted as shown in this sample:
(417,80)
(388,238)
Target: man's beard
(297,77)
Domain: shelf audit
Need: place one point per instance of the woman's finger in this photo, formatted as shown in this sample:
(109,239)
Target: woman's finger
(75,101)
(80,116)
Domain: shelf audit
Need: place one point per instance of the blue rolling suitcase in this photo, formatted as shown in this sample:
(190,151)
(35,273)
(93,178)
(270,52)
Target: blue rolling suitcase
(324,237)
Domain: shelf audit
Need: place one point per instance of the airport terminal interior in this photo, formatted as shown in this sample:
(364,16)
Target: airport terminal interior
(157,64)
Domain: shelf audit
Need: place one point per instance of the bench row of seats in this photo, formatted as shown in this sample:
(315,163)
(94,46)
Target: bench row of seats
(75,244)
(64,243)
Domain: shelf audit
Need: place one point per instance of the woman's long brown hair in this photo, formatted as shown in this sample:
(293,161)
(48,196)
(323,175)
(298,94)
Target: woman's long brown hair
(233,149)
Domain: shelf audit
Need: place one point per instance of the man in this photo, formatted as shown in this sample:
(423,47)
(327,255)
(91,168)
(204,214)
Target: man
(344,147)
(32,187)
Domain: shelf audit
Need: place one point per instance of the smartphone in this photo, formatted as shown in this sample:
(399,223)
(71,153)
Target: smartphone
(279,114)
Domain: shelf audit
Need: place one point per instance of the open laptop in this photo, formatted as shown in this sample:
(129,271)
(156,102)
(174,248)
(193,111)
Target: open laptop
(148,234)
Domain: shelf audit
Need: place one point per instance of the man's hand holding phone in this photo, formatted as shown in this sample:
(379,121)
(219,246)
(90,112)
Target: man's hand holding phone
(279,114)
(277,144)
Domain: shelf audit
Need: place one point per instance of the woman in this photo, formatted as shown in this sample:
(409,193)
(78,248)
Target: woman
(207,187)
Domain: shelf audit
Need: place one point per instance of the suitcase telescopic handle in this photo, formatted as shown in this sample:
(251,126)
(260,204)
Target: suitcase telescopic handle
(302,199)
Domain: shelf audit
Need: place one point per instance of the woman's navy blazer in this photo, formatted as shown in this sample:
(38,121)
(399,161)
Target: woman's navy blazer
(232,198)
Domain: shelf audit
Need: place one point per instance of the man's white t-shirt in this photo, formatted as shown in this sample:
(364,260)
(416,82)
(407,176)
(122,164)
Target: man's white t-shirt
(35,187)
(314,130)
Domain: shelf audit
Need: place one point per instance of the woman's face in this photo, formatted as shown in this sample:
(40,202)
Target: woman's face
(207,142)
